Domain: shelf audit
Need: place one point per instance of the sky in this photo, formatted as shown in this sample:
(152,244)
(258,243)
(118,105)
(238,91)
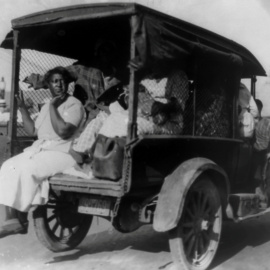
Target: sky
(244,21)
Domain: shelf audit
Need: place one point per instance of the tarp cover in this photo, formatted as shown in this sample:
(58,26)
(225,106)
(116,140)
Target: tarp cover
(159,38)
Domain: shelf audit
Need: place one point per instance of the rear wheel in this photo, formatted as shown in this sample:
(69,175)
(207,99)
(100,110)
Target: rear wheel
(58,226)
(195,240)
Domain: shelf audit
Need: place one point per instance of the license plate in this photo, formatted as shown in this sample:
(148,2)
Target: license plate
(95,206)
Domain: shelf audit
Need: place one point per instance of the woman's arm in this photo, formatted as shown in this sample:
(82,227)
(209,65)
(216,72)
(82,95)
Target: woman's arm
(28,123)
(63,129)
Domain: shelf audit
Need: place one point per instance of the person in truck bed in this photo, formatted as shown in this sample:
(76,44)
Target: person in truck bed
(160,111)
(90,76)
(161,102)
(23,178)
(260,155)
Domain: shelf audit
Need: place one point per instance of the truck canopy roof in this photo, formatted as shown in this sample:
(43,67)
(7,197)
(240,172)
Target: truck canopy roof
(73,31)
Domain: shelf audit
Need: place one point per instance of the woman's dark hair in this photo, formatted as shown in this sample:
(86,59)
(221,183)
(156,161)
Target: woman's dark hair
(57,70)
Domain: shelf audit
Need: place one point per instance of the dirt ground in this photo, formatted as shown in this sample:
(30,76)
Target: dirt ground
(243,246)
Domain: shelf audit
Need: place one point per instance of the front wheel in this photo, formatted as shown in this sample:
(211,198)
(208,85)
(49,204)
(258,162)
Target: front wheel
(58,226)
(194,242)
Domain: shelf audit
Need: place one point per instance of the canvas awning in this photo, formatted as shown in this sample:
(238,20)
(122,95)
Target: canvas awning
(72,32)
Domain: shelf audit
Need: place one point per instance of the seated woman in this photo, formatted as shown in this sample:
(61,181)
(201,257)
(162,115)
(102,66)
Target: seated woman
(23,178)
(161,103)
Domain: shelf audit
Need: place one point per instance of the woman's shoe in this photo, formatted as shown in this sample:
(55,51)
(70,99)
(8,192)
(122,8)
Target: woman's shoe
(13,226)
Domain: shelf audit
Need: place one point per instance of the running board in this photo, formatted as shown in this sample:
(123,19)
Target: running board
(267,210)
(243,206)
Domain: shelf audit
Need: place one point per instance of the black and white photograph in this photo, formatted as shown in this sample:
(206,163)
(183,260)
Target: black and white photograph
(134,135)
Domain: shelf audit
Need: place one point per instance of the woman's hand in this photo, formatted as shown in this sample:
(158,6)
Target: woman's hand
(58,100)
(20,99)
(63,129)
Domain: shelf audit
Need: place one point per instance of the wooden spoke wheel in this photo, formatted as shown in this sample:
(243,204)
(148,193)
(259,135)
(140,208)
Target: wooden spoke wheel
(195,240)
(58,226)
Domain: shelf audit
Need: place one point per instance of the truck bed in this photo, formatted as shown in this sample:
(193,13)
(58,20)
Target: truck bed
(72,183)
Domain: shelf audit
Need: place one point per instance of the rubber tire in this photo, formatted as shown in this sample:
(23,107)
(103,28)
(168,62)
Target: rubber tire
(176,236)
(50,240)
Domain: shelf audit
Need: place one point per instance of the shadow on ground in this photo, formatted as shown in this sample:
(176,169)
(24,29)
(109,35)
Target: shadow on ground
(145,239)
(235,238)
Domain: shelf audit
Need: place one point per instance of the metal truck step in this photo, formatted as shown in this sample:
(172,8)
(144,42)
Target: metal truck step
(244,204)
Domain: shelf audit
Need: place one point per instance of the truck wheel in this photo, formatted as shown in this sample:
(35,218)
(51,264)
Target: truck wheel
(58,226)
(195,240)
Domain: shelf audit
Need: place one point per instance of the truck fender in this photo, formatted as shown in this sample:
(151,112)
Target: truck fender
(171,198)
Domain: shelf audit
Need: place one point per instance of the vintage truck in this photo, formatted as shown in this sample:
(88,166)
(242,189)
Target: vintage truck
(185,184)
